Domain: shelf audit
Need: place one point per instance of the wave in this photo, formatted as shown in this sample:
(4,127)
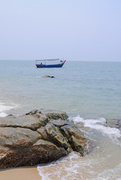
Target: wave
(4,107)
(99,125)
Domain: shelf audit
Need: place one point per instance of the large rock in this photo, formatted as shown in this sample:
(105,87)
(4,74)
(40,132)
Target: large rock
(39,136)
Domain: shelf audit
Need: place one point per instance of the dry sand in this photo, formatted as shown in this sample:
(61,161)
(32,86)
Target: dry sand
(20,174)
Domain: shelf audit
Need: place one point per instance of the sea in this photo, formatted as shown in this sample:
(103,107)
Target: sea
(89,92)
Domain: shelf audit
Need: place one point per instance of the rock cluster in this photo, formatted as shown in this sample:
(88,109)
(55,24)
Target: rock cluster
(40,136)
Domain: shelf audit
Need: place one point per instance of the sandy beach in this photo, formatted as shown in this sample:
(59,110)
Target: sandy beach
(20,174)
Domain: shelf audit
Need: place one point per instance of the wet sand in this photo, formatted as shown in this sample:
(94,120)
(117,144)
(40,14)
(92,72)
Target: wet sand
(20,174)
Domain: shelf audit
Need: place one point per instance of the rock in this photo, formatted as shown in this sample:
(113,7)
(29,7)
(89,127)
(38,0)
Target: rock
(39,136)
(114,123)
(41,152)
(56,136)
(76,139)
(119,123)
(25,121)
(47,113)
(47,76)
(60,122)
(17,137)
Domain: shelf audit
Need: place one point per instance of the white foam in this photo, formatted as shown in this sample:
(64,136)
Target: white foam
(114,173)
(4,108)
(3,114)
(98,124)
(57,168)
(74,167)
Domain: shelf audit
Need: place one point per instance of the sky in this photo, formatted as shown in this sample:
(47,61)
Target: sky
(76,30)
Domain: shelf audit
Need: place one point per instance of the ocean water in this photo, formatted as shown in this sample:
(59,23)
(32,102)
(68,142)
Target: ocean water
(90,93)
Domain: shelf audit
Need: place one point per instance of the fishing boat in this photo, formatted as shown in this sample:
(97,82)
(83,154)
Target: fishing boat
(50,63)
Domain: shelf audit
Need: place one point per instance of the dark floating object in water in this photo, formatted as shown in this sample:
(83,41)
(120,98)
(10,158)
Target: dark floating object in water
(48,76)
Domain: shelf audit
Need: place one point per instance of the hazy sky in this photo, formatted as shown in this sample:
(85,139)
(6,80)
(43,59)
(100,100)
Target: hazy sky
(85,30)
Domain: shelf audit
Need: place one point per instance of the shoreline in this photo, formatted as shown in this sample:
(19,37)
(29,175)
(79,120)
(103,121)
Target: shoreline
(21,173)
